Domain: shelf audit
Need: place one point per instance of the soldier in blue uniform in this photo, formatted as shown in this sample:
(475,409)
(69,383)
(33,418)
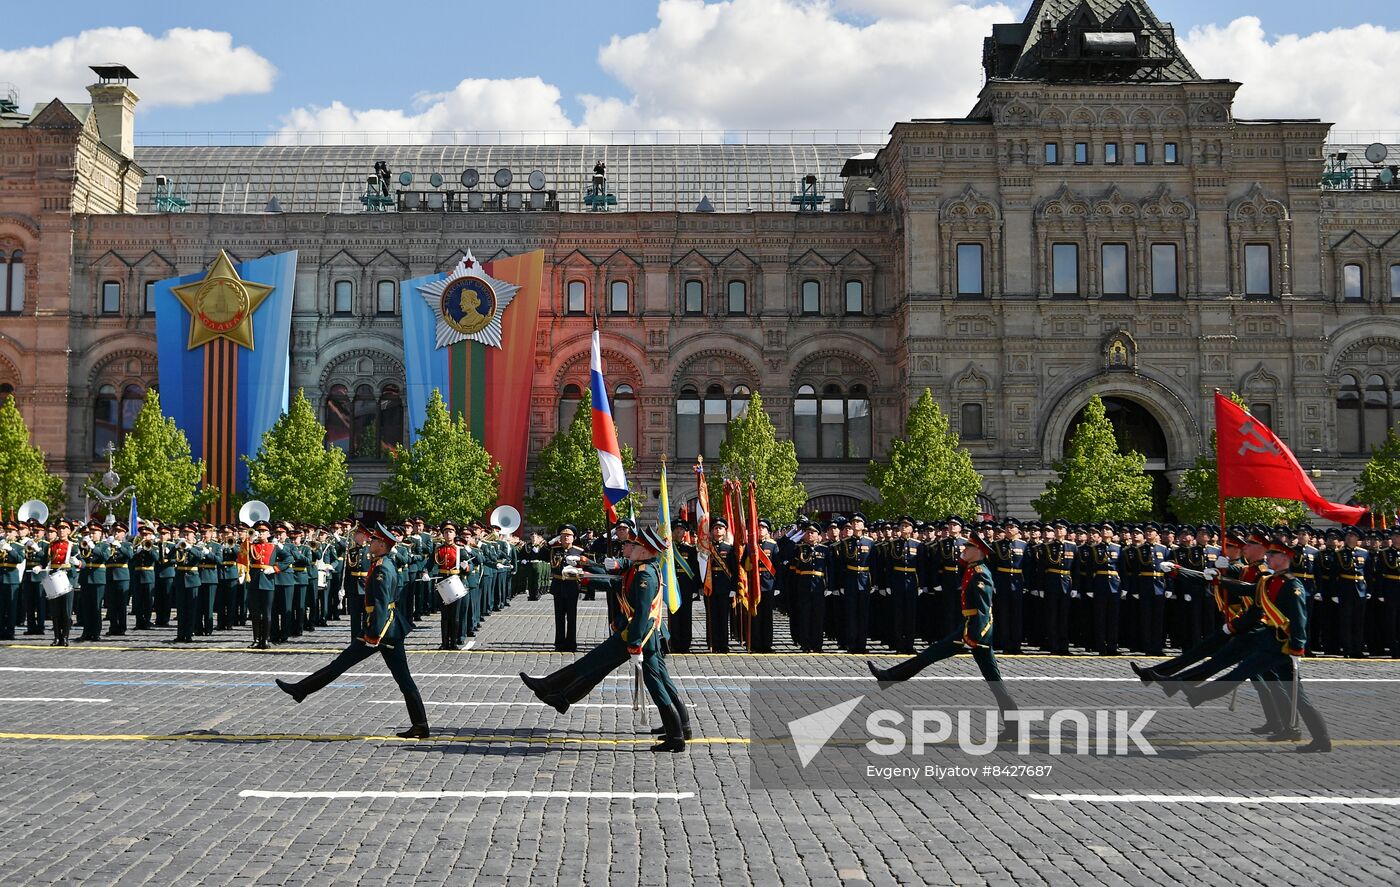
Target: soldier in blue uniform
(948,559)
(761,628)
(384,632)
(724,586)
(857,559)
(1190,591)
(682,621)
(1006,565)
(1105,585)
(902,556)
(1386,571)
(1056,564)
(1349,594)
(808,575)
(976,589)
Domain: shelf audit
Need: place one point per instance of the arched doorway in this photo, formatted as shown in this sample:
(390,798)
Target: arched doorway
(1137,430)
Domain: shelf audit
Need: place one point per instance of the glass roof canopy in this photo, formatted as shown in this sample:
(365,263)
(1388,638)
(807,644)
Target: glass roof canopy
(645,178)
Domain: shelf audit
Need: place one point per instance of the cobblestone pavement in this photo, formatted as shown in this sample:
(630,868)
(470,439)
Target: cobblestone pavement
(130,761)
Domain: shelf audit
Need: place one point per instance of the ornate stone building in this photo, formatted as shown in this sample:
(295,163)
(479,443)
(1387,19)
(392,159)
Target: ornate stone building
(1100,223)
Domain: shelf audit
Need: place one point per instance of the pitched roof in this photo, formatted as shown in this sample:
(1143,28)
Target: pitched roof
(1019,51)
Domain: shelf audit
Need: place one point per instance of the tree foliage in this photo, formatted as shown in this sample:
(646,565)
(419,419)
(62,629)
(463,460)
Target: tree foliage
(444,474)
(1196,497)
(1095,481)
(295,473)
(1379,483)
(751,451)
(22,472)
(155,459)
(568,481)
(928,474)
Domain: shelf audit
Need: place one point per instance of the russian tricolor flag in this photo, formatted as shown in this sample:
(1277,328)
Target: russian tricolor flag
(605,437)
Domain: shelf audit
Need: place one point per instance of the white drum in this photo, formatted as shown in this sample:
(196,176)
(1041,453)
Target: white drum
(451,589)
(56,584)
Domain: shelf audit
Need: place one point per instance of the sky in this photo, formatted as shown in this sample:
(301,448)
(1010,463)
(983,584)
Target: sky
(299,69)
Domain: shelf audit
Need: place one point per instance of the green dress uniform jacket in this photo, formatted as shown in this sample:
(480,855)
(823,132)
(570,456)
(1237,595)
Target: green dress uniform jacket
(384,624)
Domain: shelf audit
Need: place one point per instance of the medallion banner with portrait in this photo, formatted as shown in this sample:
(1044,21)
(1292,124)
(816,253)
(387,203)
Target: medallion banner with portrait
(470,334)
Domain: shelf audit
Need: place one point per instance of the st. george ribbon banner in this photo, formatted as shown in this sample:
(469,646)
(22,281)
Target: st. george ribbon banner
(223,340)
(470,334)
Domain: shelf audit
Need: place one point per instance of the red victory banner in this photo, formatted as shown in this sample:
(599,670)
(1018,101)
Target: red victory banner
(1253,462)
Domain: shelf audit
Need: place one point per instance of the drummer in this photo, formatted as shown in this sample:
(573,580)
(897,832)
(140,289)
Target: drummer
(446,566)
(59,578)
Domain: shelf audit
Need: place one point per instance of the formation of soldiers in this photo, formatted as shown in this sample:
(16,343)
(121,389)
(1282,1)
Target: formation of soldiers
(283,579)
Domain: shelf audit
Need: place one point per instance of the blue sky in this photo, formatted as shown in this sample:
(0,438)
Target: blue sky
(380,56)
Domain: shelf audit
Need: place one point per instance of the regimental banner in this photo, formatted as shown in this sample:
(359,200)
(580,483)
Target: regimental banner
(223,338)
(470,333)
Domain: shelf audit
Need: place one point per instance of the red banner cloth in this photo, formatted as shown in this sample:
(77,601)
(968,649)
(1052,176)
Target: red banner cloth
(1253,462)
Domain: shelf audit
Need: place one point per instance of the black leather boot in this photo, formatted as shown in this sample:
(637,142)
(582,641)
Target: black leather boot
(417,717)
(546,692)
(673,740)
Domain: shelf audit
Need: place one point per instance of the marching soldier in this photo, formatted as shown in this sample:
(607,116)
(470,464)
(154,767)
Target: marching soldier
(92,581)
(565,590)
(143,576)
(384,633)
(118,582)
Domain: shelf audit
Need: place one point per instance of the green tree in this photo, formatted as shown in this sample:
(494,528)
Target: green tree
(1379,484)
(1196,498)
(155,460)
(568,480)
(1095,481)
(295,473)
(928,474)
(22,472)
(444,474)
(751,450)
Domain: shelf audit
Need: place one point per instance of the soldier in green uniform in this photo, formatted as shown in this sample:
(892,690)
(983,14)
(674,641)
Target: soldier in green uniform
(640,636)
(301,583)
(165,577)
(92,581)
(143,576)
(282,557)
(384,632)
(189,556)
(356,572)
(565,590)
(230,580)
(534,564)
(974,635)
(208,581)
(31,608)
(12,556)
(118,582)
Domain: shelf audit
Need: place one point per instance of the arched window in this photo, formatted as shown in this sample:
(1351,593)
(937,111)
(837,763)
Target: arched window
(574,297)
(364,431)
(688,424)
(105,424)
(1352,287)
(386,299)
(855,297)
(624,410)
(619,297)
(804,422)
(568,405)
(738,297)
(739,402)
(338,417)
(694,297)
(344,299)
(12,282)
(390,417)
(133,398)
(811,297)
(971,415)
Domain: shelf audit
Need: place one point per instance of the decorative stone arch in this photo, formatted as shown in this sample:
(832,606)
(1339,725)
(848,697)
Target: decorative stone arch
(1258,218)
(618,368)
(576,266)
(111,266)
(1173,117)
(1378,352)
(20,226)
(1082,116)
(1062,217)
(621,266)
(721,366)
(1211,112)
(1141,117)
(358,364)
(1259,386)
(124,366)
(355,367)
(833,366)
(9,372)
(1112,206)
(1165,404)
(1052,117)
(1111,117)
(1016,113)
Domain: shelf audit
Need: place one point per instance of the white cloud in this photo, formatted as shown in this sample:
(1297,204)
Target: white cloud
(183,66)
(738,64)
(1344,76)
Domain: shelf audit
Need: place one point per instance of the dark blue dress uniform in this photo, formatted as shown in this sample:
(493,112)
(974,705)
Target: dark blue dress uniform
(1151,588)
(1056,563)
(688,579)
(1105,583)
(1006,567)
(724,587)
(857,560)
(1349,588)
(1387,578)
(903,568)
(384,631)
(565,593)
(974,635)
(947,597)
(805,586)
(761,628)
(1191,593)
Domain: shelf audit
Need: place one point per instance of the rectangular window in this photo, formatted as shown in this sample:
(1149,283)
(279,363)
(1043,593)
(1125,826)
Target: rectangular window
(1258,270)
(344,296)
(1140,155)
(1052,153)
(738,297)
(1169,153)
(833,420)
(716,417)
(1351,282)
(857,427)
(694,297)
(811,297)
(855,297)
(1395,281)
(804,426)
(619,297)
(1164,269)
(573,303)
(1264,412)
(1081,153)
(971,421)
(386,297)
(1065,261)
(111,297)
(688,427)
(148,298)
(12,284)
(1115,269)
(1110,153)
(970,269)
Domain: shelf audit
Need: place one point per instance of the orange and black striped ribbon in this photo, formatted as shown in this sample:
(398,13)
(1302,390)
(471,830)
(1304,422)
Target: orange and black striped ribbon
(220,425)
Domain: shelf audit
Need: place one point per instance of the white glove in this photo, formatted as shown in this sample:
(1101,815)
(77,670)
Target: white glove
(829,592)
(1221,561)
(1317,595)
(572,559)
(923,591)
(424,577)
(1336,601)
(611,563)
(733,595)
(1122,595)
(571,573)
(267,571)
(1210,573)
(1135,597)
(1171,595)
(1074,594)
(1227,628)
(637,660)
(1089,595)
(1186,598)
(1167,566)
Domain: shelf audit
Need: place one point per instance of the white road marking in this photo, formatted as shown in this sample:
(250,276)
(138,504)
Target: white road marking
(435,795)
(50,699)
(1219,799)
(505,704)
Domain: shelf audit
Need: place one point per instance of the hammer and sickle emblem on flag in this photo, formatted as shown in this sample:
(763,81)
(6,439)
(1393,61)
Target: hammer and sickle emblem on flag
(1254,441)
